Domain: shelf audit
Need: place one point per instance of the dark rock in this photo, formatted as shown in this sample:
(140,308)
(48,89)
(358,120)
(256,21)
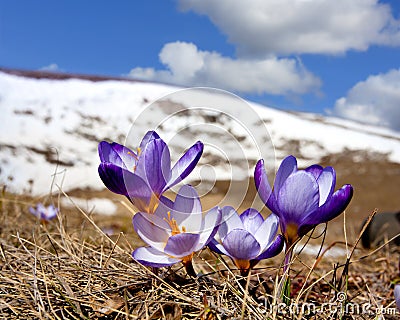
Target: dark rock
(383,226)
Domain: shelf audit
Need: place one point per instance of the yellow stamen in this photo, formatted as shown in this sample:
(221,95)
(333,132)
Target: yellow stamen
(174,225)
(150,207)
(139,151)
(133,155)
(136,158)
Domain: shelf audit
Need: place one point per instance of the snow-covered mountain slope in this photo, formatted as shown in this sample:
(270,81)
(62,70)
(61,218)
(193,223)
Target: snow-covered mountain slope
(51,128)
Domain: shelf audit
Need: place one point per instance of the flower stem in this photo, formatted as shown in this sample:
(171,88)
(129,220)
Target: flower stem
(245,279)
(189,268)
(285,287)
(286,291)
(154,270)
(288,258)
(244,272)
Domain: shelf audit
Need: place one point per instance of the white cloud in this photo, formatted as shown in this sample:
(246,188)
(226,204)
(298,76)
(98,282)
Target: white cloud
(259,27)
(51,67)
(187,65)
(375,101)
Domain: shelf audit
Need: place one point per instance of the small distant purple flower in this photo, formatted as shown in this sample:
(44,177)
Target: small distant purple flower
(175,232)
(301,199)
(397,295)
(44,213)
(247,238)
(143,176)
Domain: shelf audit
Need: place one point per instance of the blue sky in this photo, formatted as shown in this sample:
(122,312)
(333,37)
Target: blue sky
(338,57)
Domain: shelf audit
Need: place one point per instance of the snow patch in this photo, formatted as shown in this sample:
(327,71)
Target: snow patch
(100,206)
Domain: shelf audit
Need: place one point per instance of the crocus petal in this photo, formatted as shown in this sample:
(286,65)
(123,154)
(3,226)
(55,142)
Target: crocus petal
(252,220)
(215,246)
(108,154)
(128,157)
(298,196)
(261,181)
(230,221)
(136,187)
(113,177)
(166,204)
(187,210)
(263,186)
(33,211)
(267,231)
(139,193)
(121,181)
(151,229)
(275,248)
(40,207)
(50,213)
(287,167)
(332,208)
(150,135)
(326,182)
(212,221)
(315,170)
(187,202)
(241,245)
(154,165)
(44,213)
(182,244)
(397,295)
(151,257)
(117,154)
(185,164)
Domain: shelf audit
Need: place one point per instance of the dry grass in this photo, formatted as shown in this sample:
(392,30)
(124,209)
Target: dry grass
(69,268)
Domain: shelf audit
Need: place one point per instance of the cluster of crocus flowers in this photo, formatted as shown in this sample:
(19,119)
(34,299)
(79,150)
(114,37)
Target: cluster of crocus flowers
(143,176)
(247,238)
(175,230)
(44,213)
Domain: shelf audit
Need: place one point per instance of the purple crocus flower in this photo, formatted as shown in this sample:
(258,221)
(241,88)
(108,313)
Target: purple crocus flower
(247,238)
(143,176)
(302,199)
(175,232)
(44,213)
